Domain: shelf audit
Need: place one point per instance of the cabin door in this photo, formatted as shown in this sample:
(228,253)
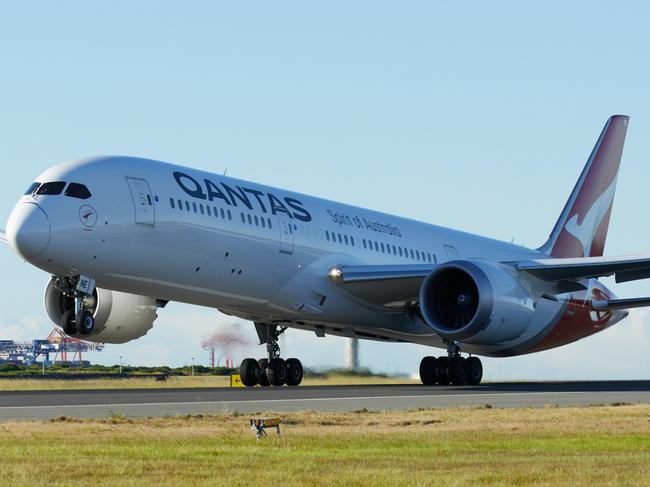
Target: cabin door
(142,201)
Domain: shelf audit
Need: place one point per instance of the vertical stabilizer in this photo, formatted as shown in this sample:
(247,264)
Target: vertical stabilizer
(581,230)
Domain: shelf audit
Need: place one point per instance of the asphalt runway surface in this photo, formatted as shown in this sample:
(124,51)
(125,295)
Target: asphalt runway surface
(22,405)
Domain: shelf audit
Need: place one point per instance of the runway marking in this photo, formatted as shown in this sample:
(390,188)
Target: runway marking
(222,401)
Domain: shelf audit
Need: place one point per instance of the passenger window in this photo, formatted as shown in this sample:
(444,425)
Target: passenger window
(263,221)
(229,215)
(382,248)
(171,202)
(33,187)
(340,239)
(352,241)
(363,240)
(207,209)
(51,188)
(243,218)
(256,221)
(270,226)
(250,220)
(194,206)
(400,251)
(327,235)
(187,205)
(345,237)
(201,208)
(376,247)
(180,205)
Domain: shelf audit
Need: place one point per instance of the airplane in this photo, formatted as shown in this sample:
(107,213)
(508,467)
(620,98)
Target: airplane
(123,236)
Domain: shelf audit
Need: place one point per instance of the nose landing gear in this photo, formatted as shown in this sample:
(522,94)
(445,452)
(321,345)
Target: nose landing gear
(273,370)
(78,302)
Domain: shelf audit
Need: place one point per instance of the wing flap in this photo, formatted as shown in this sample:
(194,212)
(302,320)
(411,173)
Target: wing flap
(626,268)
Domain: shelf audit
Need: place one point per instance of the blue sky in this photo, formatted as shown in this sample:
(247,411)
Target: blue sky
(473,115)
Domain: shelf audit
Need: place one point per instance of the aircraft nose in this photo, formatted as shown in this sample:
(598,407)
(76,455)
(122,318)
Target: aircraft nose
(28,230)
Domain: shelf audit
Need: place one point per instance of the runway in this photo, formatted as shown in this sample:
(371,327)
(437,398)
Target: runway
(23,405)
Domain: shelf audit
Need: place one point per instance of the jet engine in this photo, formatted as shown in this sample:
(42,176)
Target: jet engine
(119,317)
(475,301)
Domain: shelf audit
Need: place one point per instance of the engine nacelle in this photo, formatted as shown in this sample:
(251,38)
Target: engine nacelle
(119,317)
(475,301)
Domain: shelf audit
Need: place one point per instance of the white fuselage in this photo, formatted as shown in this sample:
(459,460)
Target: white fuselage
(260,253)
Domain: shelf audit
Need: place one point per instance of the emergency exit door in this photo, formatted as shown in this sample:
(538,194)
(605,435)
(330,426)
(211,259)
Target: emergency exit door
(286,234)
(142,201)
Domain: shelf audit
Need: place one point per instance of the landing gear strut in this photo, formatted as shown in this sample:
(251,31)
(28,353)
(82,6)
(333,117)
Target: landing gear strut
(452,369)
(271,371)
(78,302)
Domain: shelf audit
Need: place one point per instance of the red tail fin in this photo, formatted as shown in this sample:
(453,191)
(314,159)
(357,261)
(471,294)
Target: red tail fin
(581,230)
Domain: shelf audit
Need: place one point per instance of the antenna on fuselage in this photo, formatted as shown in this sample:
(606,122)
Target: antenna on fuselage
(225,171)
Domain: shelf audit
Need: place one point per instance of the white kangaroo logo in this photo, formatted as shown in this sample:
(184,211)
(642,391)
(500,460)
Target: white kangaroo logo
(586,231)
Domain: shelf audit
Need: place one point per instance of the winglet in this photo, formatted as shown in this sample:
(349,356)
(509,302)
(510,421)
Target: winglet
(581,230)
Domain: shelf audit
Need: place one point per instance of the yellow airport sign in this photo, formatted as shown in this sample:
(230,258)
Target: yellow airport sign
(235,381)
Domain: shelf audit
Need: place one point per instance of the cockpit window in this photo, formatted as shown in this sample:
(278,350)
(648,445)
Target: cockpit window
(51,188)
(32,188)
(77,190)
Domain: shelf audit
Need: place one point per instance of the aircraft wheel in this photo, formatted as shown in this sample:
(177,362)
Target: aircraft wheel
(85,322)
(262,378)
(442,371)
(248,371)
(277,372)
(475,371)
(294,372)
(428,371)
(458,371)
(68,323)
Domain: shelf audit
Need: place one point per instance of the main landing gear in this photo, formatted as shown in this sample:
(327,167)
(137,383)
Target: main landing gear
(271,371)
(78,302)
(452,369)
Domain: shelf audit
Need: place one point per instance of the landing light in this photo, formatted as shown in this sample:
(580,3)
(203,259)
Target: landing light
(334,273)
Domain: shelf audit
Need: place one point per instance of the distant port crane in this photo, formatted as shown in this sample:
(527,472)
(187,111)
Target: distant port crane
(57,347)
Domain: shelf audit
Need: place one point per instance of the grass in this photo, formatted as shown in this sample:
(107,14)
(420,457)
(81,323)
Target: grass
(545,446)
(177,381)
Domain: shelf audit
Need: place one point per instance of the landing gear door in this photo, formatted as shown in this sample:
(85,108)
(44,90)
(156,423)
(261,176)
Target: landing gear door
(142,201)
(286,233)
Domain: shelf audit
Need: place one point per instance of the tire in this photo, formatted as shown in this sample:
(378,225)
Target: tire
(458,371)
(85,322)
(248,372)
(294,372)
(442,371)
(475,371)
(262,378)
(277,372)
(428,371)
(68,323)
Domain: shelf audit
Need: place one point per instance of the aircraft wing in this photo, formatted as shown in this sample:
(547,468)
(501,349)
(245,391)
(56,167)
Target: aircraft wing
(387,285)
(626,268)
(3,236)
(395,285)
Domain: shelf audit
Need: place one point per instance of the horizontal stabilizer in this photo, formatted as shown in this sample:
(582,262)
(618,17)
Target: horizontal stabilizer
(612,304)
(627,268)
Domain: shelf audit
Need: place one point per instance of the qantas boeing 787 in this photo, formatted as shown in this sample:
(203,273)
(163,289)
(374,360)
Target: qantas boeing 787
(123,236)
